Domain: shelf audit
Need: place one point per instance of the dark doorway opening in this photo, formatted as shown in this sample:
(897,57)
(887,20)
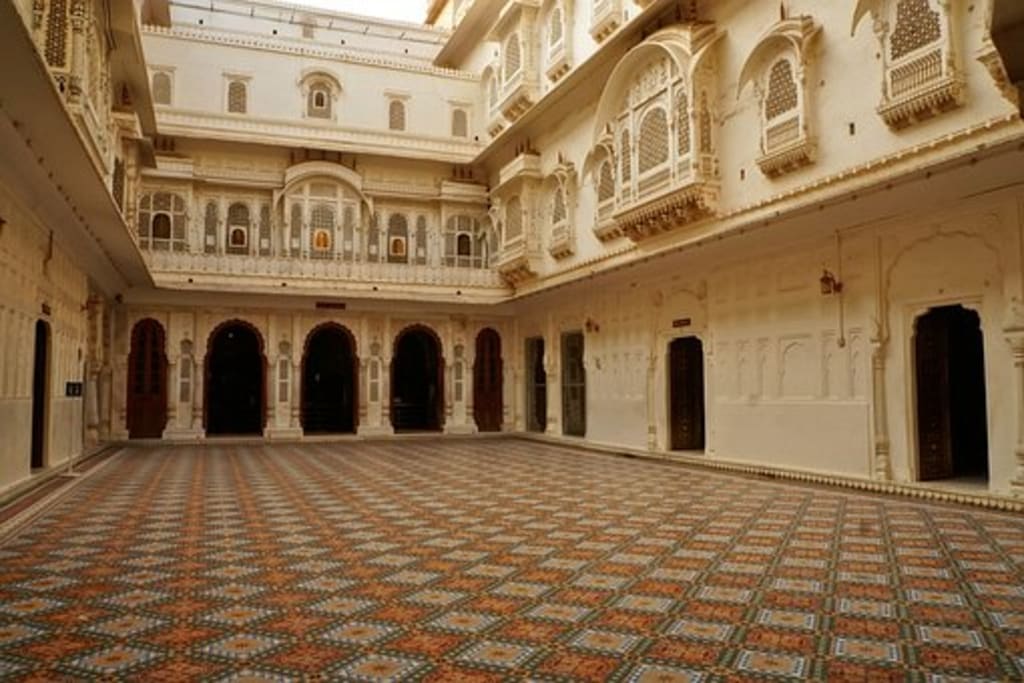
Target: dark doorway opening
(417,386)
(536,386)
(952,422)
(574,385)
(329,379)
(488,382)
(235,382)
(686,394)
(147,381)
(40,393)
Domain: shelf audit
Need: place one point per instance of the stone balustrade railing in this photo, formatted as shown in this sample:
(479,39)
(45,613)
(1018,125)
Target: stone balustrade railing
(321,270)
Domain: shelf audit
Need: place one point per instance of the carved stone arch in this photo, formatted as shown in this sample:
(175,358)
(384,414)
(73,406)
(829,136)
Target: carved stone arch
(686,49)
(309,170)
(786,140)
(353,348)
(794,36)
(309,77)
(921,76)
(208,369)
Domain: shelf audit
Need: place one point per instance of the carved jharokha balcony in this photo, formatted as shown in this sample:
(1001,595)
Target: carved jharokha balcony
(516,263)
(298,275)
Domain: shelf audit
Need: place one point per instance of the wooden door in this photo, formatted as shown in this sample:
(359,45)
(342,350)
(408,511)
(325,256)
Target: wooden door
(574,386)
(934,427)
(488,382)
(686,394)
(40,394)
(147,382)
(536,386)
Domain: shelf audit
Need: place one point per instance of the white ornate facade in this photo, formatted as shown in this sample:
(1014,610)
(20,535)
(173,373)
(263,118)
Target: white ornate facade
(725,233)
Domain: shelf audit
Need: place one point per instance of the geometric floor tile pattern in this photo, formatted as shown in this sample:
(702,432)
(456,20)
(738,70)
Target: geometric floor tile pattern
(484,560)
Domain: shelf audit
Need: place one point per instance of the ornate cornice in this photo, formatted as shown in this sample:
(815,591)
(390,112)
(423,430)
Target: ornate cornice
(318,134)
(305,48)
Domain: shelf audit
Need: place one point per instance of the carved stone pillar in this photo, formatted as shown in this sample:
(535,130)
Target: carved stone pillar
(199,396)
(652,417)
(1015,337)
(120,422)
(172,394)
(883,462)
(92,404)
(295,394)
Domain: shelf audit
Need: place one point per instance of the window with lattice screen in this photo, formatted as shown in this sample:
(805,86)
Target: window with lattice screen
(163,222)
(396,115)
(513,56)
(682,122)
(460,123)
(626,156)
(295,230)
(513,219)
(782,96)
(237,97)
(917,26)
(555,28)
(558,212)
(705,125)
(421,240)
(653,141)
(606,182)
(161,87)
(210,220)
(55,47)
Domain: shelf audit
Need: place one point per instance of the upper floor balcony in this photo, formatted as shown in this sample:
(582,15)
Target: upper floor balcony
(331,276)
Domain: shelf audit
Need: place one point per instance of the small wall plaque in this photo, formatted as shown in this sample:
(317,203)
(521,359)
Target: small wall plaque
(73,389)
(681,322)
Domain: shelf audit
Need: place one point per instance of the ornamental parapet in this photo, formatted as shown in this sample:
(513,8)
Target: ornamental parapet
(325,272)
(668,211)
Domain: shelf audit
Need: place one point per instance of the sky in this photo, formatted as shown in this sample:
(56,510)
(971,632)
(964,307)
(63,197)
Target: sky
(403,10)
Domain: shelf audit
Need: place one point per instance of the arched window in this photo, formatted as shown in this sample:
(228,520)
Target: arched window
(396,115)
(460,124)
(161,87)
(782,94)
(558,213)
(606,182)
(555,28)
(492,91)
(162,222)
(237,97)
(238,229)
(705,125)
(322,225)
(653,142)
(295,230)
(398,239)
(161,227)
(513,56)
(56,33)
(464,245)
(318,105)
(513,219)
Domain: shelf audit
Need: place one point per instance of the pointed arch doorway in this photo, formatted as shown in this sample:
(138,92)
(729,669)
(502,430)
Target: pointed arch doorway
(147,381)
(488,382)
(330,371)
(235,381)
(417,381)
(952,421)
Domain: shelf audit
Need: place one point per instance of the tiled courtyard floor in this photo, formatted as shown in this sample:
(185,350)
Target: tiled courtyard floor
(491,560)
